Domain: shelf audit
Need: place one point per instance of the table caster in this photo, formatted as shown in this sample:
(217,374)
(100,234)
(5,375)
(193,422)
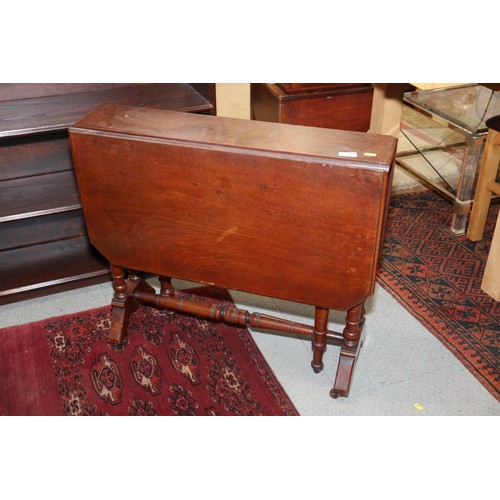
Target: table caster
(317,368)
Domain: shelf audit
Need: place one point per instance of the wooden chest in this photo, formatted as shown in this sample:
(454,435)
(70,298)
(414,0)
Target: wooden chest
(283,211)
(344,106)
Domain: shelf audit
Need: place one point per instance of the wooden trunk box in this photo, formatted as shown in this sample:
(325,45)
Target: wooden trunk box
(291,212)
(344,106)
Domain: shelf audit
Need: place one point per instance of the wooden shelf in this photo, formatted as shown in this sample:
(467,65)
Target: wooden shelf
(37,230)
(38,195)
(43,241)
(27,156)
(51,265)
(58,112)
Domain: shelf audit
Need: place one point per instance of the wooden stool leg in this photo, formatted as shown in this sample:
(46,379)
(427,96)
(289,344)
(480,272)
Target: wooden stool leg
(491,278)
(319,338)
(349,350)
(487,173)
(124,303)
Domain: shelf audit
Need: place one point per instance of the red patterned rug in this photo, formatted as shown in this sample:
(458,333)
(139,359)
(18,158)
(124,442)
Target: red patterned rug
(437,276)
(169,365)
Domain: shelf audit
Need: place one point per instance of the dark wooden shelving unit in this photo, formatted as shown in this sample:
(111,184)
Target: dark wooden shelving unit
(43,241)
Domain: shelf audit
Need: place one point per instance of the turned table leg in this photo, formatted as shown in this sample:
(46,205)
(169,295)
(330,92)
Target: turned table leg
(166,289)
(124,303)
(319,338)
(349,350)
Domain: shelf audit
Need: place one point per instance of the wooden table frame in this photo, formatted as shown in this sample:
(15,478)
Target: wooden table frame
(285,211)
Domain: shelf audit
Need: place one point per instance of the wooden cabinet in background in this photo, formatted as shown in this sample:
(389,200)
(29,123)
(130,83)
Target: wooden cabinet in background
(43,241)
(344,106)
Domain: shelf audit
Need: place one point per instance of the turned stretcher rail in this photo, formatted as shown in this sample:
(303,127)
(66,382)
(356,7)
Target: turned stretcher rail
(231,315)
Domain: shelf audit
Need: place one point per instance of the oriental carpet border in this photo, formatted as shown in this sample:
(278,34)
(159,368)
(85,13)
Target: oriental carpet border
(436,276)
